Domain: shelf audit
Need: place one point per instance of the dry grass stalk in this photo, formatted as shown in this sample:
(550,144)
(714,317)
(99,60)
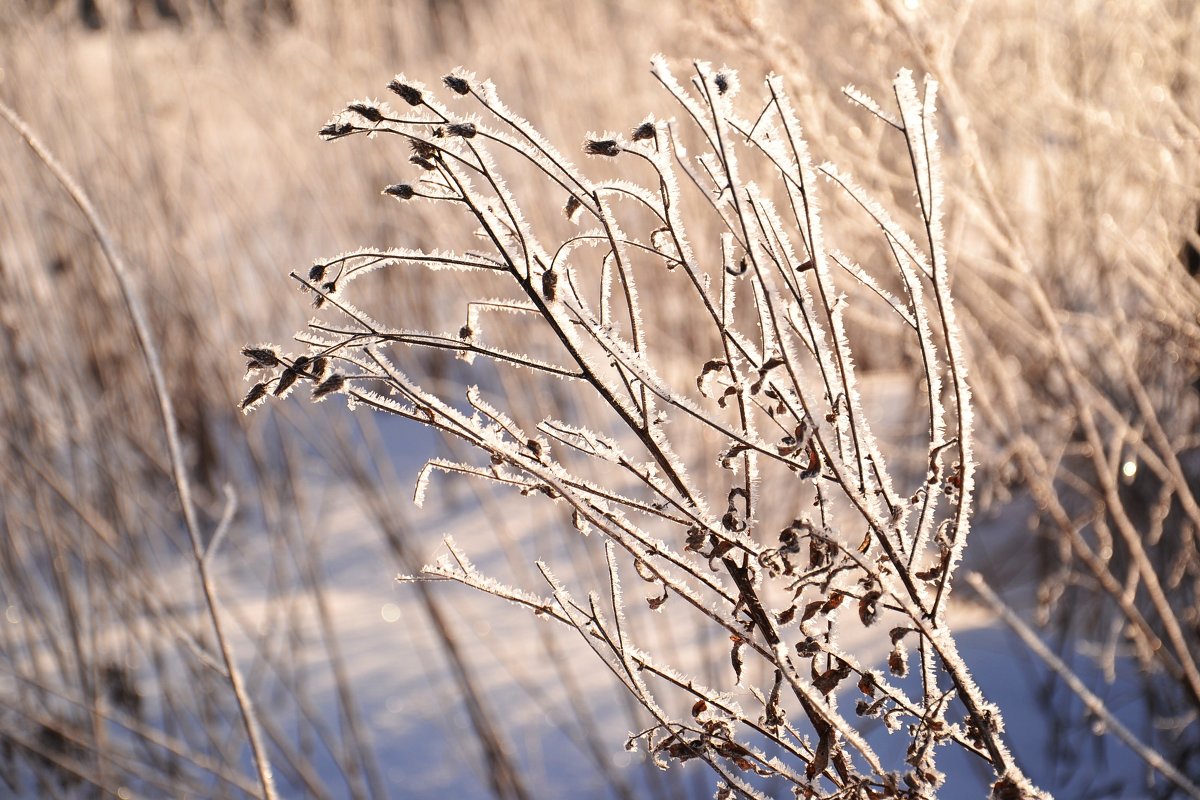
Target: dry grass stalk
(150,352)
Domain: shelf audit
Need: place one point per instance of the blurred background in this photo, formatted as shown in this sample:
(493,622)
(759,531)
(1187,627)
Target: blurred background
(1072,157)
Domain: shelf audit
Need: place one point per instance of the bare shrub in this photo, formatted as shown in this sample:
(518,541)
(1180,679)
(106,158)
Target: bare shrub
(746,486)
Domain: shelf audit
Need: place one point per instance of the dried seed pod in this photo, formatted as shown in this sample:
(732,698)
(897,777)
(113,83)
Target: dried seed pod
(602,147)
(330,385)
(457,84)
(258,392)
(261,357)
(411,94)
(644,131)
(464,129)
(403,191)
(334,130)
(286,380)
(367,112)
(572,207)
(423,149)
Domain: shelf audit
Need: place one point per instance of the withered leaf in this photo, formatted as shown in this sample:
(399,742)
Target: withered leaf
(735,656)
(656,603)
(868,606)
(828,680)
(811,610)
(820,759)
(897,664)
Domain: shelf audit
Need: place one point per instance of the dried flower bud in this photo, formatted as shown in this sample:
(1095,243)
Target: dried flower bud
(423,163)
(254,395)
(334,130)
(401,190)
(317,272)
(286,380)
(368,112)
(260,357)
(464,129)
(550,284)
(423,149)
(411,94)
(465,332)
(644,131)
(330,385)
(722,83)
(572,207)
(602,147)
(318,366)
(457,84)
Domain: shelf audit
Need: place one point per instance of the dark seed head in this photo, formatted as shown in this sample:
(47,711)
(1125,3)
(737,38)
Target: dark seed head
(336,129)
(423,163)
(400,190)
(464,129)
(643,132)
(254,395)
(457,84)
(423,149)
(549,284)
(289,377)
(465,332)
(316,272)
(722,83)
(328,386)
(370,113)
(260,357)
(573,205)
(602,147)
(411,94)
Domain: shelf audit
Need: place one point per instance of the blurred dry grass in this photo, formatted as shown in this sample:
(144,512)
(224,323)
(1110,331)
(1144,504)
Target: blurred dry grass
(1073,160)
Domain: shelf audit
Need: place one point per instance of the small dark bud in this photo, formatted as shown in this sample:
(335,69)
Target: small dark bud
(643,132)
(335,129)
(317,272)
(254,395)
(318,366)
(722,83)
(286,380)
(423,163)
(410,94)
(369,113)
(330,385)
(465,332)
(329,288)
(572,207)
(423,149)
(260,357)
(400,190)
(550,284)
(602,147)
(464,129)
(456,84)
